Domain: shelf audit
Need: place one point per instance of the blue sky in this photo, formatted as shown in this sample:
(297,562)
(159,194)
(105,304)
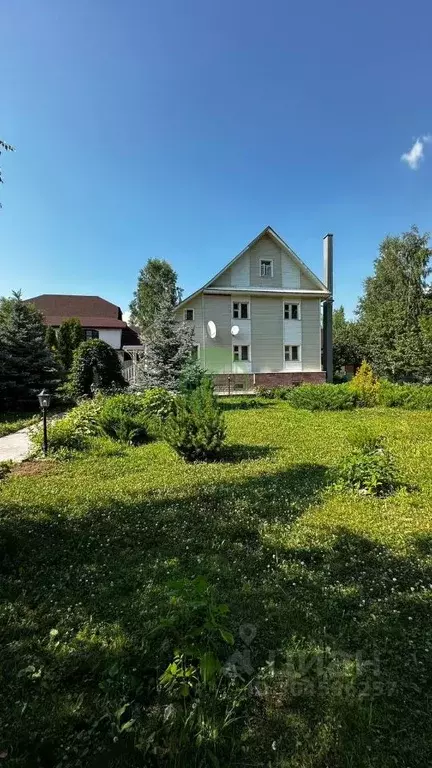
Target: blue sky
(180,128)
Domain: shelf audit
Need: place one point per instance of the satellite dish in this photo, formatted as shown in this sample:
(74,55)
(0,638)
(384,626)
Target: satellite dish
(211,329)
(235,330)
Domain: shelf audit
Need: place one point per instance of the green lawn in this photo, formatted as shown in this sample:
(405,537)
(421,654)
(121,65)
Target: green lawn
(330,593)
(12,422)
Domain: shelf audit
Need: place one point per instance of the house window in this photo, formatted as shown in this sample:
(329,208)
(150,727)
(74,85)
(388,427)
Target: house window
(189,314)
(195,353)
(240,309)
(90,333)
(292,353)
(240,352)
(291,311)
(266,268)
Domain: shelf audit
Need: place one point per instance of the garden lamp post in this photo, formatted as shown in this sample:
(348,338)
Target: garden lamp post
(44,398)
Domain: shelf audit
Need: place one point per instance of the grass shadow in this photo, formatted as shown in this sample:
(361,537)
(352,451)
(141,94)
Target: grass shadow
(244,404)
(237,452)
(350,613)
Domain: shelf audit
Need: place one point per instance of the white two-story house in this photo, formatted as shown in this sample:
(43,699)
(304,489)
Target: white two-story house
(258,321)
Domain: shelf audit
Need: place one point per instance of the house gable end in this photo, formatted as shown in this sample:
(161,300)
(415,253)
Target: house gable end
(286,270)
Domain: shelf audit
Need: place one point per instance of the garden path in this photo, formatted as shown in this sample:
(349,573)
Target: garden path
(15,447)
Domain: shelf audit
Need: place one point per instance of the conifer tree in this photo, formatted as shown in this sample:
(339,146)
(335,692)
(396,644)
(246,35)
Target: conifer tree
(51,338)
(26,363)
(168,346)
(70,336)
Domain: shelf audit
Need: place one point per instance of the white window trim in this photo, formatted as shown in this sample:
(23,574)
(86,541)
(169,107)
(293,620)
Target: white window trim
(239,353)
(271,268)
(185,311)
(299,359)
(298,304)
(239,302)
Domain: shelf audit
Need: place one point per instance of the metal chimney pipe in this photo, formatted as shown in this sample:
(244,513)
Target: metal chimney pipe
(328,308)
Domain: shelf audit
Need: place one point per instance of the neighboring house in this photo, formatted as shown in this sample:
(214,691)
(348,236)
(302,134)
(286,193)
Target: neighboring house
(99,318)
(258,321)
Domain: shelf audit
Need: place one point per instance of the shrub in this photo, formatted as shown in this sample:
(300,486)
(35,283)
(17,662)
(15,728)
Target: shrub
(268,392)
(95,362)
(274,393)
(419,397)
(63,435)
(323,397)
(157,402)
(282,393)
(122,418)
(126,403)
(365,386)
(409,396)
(191,377)
(71,433)
(196,429)
(85,416)
(369,469)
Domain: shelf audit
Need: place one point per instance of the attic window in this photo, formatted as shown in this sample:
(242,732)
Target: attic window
(188,314)
(266,268)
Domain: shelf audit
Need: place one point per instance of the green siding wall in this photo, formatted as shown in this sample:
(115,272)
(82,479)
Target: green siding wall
(218,352)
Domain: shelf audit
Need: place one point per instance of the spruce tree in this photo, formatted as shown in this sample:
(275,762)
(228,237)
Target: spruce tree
(26,363)
(196,428)
(168,346)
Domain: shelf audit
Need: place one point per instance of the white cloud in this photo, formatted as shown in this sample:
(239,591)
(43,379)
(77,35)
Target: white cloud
(415,155)
(126,317)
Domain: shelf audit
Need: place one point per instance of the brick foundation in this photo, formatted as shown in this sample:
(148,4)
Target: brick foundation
(289,379)
(247,382)
(225,382)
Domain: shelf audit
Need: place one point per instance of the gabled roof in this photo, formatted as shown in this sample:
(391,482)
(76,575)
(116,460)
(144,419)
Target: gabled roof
(320,287)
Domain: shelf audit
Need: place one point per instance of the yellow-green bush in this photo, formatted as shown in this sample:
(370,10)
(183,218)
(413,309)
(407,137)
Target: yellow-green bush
(365,386)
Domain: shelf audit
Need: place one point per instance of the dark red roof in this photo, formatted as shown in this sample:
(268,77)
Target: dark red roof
(91,311)
(87,322)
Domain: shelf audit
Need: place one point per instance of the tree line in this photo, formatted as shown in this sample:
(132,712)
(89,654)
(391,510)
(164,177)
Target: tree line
(392,328)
